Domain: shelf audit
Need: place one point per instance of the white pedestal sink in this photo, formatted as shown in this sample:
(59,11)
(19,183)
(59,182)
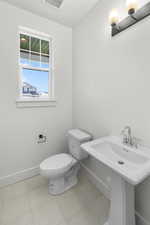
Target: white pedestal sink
(130,166)
(122,202)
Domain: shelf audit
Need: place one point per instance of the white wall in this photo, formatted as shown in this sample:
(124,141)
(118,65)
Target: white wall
(110,89)
(111,83)
(19,127)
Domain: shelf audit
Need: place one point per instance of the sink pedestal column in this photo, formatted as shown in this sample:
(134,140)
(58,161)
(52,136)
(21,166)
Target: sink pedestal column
(122,211)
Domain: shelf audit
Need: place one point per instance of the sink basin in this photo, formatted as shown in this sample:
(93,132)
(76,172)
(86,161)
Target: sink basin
(129,166)
(116,154)
(131,163)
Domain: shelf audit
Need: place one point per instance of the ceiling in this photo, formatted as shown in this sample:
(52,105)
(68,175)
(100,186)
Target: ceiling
(69,14)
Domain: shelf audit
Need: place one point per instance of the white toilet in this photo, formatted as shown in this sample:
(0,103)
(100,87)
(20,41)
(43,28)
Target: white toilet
(62,169)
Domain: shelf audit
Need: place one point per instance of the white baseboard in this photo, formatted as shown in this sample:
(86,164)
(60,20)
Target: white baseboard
(104,189)
(19,176)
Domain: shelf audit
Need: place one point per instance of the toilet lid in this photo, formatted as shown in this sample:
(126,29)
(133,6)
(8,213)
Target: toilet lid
(57,162)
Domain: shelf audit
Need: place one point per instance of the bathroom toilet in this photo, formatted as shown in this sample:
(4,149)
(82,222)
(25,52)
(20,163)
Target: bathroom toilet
(62,169)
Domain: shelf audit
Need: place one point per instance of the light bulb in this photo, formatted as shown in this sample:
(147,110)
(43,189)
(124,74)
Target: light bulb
(113,17)
(132,5)
(23,40)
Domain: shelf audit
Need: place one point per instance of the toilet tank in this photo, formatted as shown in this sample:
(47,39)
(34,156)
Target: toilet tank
(75,138)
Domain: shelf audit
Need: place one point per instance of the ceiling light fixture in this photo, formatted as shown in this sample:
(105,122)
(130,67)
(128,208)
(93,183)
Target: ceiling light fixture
(23,40)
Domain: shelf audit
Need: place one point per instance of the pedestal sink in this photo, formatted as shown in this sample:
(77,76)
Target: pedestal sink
(129,165)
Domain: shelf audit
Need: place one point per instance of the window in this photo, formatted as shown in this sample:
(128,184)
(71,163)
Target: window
(35,61)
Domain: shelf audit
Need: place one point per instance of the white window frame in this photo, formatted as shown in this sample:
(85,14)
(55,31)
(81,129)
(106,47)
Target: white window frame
(32,100)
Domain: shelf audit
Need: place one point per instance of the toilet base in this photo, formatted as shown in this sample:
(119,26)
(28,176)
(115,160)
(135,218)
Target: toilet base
(64,183)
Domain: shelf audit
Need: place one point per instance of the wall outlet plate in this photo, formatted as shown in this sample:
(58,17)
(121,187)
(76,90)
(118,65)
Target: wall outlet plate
(41,138)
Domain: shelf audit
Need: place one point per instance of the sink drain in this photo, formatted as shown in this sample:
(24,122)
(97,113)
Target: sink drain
(120,162)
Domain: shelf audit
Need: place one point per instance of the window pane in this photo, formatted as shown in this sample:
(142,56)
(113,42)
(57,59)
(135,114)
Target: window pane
(35,60)
(45,47)
(35,83)
(24,42)
(24,57)
(35,44)
(35,57)
(45,61)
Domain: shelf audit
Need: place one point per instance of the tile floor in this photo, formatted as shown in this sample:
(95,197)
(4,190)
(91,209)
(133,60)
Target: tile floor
(28,203)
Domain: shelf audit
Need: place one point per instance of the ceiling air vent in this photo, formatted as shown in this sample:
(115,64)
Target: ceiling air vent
(56,3)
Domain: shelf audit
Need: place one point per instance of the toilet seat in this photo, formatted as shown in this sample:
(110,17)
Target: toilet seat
(57,164)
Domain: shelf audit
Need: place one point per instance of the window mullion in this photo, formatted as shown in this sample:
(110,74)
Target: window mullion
(35,68)
(30,49)
(40,55)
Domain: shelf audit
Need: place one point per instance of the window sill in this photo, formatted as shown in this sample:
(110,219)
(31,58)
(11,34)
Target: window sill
(32,102)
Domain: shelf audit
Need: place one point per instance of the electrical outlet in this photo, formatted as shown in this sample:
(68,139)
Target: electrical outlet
(41,139)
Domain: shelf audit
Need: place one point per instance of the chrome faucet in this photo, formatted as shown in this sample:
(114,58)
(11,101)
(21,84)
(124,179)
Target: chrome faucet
(127,138)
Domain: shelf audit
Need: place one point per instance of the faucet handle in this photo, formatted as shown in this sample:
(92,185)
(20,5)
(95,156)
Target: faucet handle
(126,128)
(122,131)
(136,141)
(124,137)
